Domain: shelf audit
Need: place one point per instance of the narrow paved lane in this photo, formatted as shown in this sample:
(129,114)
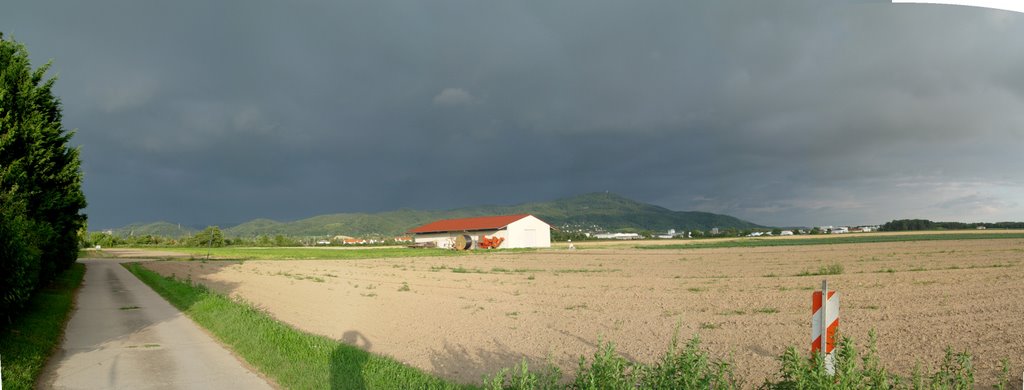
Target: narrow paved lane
(122,335)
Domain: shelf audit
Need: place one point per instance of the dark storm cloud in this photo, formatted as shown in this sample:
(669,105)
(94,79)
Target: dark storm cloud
(778,112)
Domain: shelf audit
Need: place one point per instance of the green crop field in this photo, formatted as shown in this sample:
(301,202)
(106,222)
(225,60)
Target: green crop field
(291,253)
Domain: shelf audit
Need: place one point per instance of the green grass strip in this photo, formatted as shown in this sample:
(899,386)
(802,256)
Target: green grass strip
(27,342)
(831,240)
(294,359)
(276,253)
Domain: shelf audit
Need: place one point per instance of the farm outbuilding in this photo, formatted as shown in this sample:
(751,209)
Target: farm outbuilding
(503,231)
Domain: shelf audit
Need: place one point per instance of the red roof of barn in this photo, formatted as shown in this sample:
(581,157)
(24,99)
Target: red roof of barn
(467,224)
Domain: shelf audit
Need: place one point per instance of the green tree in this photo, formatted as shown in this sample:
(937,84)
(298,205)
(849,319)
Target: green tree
(280,240)
(209,237)
(40,180)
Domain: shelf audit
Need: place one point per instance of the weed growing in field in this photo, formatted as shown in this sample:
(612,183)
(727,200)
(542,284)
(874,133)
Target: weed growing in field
(581,270)
(1004,375)
(733,312)
(405,287)
(696,289)
(474,308)
(521,378)
(531,277)
(524,270)
(578,306)
(709,325)
(831,269)
(766,310)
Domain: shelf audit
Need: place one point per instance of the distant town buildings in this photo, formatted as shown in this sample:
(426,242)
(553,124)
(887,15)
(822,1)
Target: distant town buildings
(616,236)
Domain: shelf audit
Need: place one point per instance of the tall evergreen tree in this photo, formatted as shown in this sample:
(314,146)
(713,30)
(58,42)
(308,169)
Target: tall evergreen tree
(40,180)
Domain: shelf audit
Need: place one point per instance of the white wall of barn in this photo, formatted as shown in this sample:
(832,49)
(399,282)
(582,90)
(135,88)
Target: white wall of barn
(529,232)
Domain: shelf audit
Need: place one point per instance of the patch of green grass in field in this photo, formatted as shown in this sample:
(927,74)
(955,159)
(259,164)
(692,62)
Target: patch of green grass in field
(28,340)
(581,271)
(314,253)
(831,269)
(577,306)
(292,358)
(838,239)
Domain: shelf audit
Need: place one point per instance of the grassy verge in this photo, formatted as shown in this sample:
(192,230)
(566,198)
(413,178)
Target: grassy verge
(290,253)
(294,359)
(690,367)
(831,239)
(29,340)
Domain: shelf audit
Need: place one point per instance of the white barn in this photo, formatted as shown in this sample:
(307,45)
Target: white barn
(517,231)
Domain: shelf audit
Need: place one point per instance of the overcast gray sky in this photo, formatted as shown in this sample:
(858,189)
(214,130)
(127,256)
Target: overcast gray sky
(778,112)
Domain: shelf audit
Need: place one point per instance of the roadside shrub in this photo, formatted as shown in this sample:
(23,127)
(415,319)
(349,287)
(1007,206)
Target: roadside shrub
(607,371)
(19,260)
(521,378)
(686,368)
(799,372)
(691,368)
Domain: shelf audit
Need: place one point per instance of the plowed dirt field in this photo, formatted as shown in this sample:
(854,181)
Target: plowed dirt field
(464,317)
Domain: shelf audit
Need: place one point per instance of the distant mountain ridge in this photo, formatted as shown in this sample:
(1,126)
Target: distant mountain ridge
(601,210)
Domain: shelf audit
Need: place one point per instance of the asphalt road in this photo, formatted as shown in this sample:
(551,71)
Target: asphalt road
(122,335)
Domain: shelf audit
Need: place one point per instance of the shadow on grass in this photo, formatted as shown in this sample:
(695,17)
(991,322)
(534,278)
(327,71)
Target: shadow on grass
(348,362)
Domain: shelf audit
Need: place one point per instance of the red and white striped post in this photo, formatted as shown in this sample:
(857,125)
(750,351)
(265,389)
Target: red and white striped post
(828,314)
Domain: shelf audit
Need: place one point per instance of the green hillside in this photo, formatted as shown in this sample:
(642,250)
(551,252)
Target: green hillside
(613,212)
(162,229)
(605,211)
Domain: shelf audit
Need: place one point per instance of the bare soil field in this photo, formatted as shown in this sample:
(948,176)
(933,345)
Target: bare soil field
(464,317)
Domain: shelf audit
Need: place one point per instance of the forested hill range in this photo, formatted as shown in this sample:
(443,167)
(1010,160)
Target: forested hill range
(590,212)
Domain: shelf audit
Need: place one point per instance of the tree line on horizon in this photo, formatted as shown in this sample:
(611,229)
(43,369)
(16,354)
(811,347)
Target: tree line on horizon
(40,182)
(901,225)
